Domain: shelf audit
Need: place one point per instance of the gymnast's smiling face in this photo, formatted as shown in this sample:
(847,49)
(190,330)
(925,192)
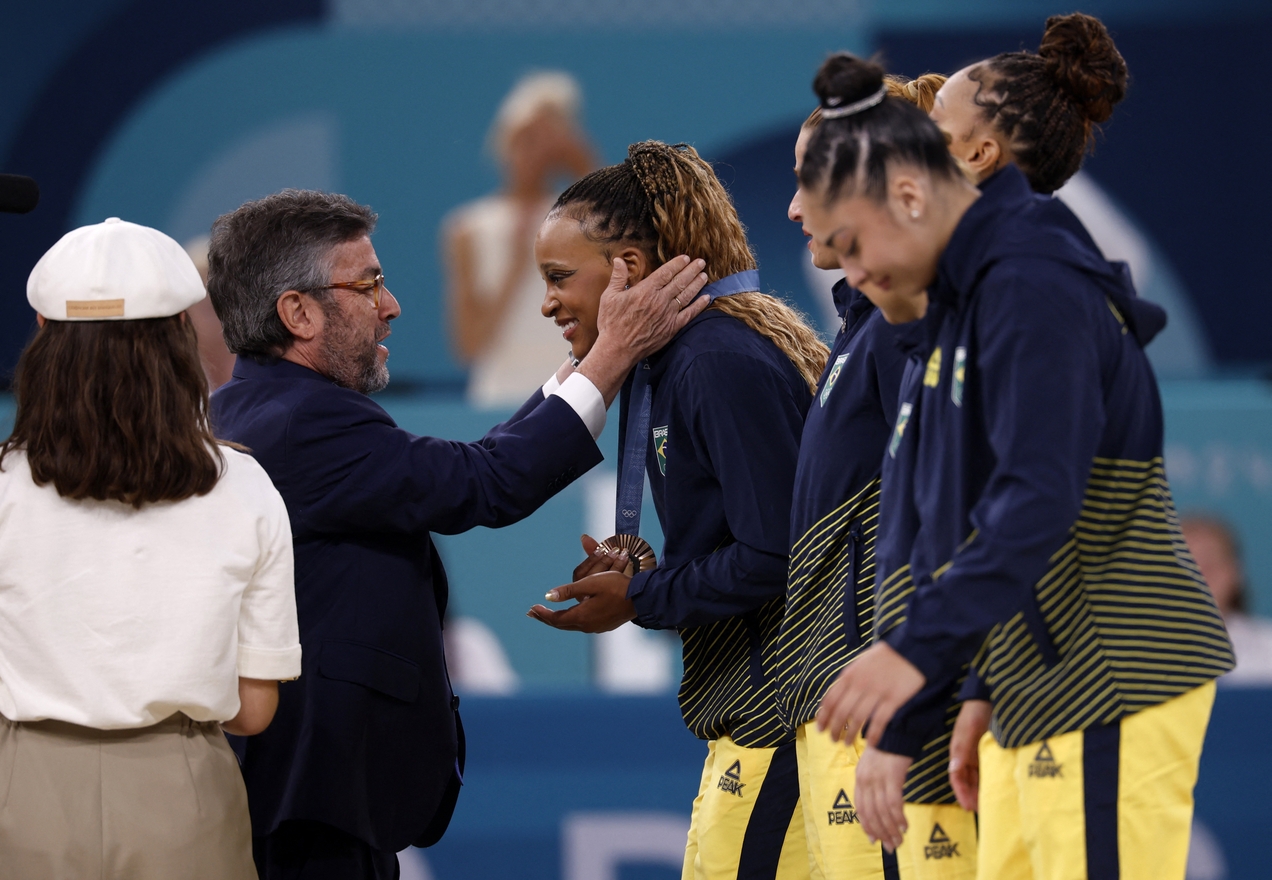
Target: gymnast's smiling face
(577,270)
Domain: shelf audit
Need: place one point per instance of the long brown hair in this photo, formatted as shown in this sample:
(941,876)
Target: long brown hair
(668,201)
(115,410)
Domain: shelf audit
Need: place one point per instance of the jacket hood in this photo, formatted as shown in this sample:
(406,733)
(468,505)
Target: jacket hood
(1011,220)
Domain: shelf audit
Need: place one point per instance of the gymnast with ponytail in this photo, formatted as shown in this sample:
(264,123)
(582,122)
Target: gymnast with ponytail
(1029,560)
(714,419)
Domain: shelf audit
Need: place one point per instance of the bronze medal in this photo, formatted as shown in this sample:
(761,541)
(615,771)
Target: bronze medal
(640,556)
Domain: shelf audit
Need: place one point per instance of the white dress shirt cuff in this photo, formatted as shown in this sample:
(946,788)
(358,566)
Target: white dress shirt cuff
(551,385)
(583,397)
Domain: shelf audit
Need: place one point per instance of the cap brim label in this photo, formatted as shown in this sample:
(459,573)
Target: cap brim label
(94,308)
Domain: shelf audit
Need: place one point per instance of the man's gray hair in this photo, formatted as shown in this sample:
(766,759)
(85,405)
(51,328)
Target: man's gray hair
(269,246)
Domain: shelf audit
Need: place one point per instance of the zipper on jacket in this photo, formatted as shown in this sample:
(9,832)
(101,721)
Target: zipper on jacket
(854,626)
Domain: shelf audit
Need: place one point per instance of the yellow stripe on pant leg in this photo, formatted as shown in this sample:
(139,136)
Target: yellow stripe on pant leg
(827,776)
(724,807)
(1000,850)
(1158,757)
(689,870)
(940,843)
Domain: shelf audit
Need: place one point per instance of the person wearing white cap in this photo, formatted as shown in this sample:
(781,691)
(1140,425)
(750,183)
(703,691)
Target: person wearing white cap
(146,581)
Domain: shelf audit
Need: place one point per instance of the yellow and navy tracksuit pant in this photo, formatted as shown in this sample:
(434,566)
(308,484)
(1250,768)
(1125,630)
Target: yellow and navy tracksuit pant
(746,822)
(940,843)
(1113,801)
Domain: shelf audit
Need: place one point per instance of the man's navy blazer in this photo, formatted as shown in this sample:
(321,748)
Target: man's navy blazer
(368,739)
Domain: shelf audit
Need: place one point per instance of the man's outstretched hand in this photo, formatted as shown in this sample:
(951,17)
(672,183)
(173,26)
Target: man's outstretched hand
(634,323)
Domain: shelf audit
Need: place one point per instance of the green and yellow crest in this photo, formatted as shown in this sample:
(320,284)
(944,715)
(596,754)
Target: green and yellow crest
(960,374)
(660,448)
(903,418)
(833,377)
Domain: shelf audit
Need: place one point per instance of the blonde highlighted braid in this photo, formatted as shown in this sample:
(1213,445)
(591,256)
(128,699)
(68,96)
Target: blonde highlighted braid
(668,201)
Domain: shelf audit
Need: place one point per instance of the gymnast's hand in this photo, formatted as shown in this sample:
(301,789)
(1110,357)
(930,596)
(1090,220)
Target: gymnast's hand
(973,721)
(600,586)
(869,691)
(879,796)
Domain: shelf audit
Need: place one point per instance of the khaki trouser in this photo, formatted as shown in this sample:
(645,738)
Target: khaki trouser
(157,802)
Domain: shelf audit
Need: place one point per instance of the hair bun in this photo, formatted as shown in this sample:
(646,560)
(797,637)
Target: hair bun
(1083,60)
(653,163)
(844,78)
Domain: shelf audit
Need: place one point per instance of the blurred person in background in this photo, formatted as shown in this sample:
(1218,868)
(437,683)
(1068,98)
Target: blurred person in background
(713,419)
(218,362)
(366,754)
(493,289)
(1214,546)
(146,589)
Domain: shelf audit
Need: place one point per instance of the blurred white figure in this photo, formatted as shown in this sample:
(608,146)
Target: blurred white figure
(414,866)
(1205,855)
(476,661)
(1214,547)
(494,291)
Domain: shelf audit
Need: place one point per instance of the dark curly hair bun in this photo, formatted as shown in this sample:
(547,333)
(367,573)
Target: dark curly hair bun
(1049,103)
(844,78)
(1081,57)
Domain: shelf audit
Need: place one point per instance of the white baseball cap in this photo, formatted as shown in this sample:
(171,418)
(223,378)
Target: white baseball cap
(114,271)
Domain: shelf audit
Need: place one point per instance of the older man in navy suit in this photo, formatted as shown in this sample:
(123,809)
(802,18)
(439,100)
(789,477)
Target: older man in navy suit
(365,754)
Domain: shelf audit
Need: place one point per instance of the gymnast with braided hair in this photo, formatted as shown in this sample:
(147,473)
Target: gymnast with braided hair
(1036,110)
(714,419)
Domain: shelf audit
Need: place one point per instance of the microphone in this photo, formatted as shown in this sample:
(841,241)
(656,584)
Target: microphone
(18,194)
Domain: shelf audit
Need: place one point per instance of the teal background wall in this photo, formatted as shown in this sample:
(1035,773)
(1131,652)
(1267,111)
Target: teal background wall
(401,127)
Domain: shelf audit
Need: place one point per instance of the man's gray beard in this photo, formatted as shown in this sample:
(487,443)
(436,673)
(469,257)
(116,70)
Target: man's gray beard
(352,363)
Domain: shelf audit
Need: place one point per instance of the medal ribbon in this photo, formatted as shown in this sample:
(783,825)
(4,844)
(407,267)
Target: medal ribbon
(631,482)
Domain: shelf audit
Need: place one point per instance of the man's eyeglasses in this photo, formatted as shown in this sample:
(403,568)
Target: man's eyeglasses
(374,287)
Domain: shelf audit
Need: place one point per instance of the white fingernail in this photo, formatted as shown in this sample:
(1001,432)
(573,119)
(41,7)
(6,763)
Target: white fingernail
(550,595)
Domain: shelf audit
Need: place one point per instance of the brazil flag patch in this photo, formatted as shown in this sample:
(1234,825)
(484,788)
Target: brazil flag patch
(660,448)
(833,377)
(960,374)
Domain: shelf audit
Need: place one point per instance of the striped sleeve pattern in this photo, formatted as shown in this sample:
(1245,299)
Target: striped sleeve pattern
(1126,611)
(829,603)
